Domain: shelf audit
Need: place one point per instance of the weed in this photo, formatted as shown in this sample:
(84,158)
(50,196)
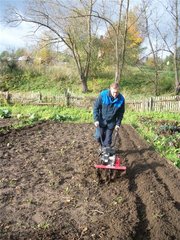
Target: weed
(44,225)
(67,190)
(118,200)
(158,215)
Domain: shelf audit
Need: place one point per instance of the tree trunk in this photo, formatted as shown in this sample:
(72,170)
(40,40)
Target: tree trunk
(117,73)
(154,51)
(120,50)
(84,83)
(176,70)
(177,83)
(156,82)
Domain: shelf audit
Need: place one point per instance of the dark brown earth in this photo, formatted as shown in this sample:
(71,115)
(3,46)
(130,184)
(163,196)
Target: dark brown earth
(49,188)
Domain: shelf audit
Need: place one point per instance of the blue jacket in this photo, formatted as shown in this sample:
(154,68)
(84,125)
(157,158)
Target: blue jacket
(109,111)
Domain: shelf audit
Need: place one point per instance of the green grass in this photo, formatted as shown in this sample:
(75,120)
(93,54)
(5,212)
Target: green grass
(132,117)
(46,112)
(149,124)
(55,79)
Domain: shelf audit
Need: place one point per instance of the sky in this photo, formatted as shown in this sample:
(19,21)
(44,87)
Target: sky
(12,38)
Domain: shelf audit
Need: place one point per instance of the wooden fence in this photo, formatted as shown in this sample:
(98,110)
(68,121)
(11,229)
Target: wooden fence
(170,103)
(165,104)
(66,99)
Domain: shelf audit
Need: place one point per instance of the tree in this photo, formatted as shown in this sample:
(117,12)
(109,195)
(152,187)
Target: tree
(168,34)
(119,25)
(5,55)
(133,41)
(120,34)
(65,20)
(20,52)
(120,50)
(171,38)
(134,38)
(153,47)
(44,53)
(175,12)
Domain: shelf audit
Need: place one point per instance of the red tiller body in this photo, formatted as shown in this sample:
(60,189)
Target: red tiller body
(116,166)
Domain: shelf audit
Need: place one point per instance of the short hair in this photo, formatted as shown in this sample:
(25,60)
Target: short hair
(114,85)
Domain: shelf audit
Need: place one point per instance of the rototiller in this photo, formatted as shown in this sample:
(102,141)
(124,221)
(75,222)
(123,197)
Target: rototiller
(108,157)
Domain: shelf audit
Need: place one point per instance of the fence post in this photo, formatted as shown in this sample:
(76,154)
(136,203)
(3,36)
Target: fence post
(40,97)
(151,103)
(67,97)
(7,97)
(143,105)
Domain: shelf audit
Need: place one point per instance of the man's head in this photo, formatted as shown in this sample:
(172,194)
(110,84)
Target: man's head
(114,89)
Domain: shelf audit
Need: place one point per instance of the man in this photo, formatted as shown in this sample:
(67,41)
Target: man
(108,113)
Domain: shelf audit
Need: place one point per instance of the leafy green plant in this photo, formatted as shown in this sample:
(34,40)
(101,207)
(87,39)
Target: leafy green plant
(62,118)
(159,129)
(5,113)
(34,117)
(30,114)
(177,162)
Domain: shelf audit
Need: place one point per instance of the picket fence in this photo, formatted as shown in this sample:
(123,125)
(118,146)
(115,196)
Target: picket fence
(37,98)
(168,103)
(165,104)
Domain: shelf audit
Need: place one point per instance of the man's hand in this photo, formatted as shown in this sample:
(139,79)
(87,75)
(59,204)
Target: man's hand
(96,124)
(117,128)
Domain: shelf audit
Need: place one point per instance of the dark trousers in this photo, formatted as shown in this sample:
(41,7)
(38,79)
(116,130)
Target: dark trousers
(104,136)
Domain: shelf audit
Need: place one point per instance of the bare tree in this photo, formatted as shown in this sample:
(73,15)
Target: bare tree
(172,45)
(69,23)
(175,11)
(121,49)
(153,42)
(118,21)
(119,25)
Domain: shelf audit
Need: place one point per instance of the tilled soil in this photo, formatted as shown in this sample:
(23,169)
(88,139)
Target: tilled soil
(49,187)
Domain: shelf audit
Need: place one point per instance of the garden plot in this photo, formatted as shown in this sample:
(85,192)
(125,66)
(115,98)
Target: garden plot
(49,188)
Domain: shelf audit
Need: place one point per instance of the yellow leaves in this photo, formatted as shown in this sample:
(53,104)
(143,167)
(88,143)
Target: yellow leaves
(150,62)
(134,35)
